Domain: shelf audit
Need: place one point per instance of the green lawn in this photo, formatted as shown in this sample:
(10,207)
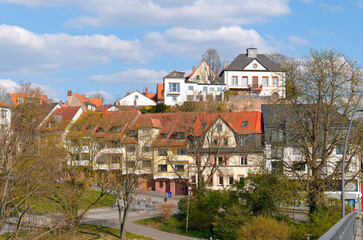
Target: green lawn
(84,232)
(44,205)
(175,224)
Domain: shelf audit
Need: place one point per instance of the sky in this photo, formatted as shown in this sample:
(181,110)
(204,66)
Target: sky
(115,46)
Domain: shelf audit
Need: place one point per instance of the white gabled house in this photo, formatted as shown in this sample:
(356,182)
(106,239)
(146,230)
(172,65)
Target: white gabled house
(136,98)
(203,84)
(253,74)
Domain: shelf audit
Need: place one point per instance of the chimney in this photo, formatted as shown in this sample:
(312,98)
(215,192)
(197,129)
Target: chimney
(69,93)
(146,90)
(251,52)
(193,69)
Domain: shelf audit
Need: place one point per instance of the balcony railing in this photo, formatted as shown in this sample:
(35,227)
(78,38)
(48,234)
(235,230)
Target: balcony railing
(343,230)
(255,86)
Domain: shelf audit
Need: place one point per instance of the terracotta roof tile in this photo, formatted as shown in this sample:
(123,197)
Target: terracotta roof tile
(15,96)
(160,92)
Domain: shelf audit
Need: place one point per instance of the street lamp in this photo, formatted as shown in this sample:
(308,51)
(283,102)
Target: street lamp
(345,151)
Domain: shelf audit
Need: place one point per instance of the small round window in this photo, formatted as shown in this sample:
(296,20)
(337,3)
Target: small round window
(254,65)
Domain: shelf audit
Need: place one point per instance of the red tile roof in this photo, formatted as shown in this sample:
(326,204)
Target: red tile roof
(234,120)
(15,96)
(96,101)
(5,105)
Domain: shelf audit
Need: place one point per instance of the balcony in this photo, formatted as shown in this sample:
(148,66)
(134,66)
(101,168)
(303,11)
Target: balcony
(255,87)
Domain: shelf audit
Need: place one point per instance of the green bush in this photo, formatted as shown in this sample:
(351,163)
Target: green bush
(227,224)
(264,228)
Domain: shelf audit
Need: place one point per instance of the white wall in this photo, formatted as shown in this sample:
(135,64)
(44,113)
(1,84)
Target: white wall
(141,100)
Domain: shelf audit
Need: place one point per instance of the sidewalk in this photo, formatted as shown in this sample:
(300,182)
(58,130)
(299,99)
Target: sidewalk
(358,234)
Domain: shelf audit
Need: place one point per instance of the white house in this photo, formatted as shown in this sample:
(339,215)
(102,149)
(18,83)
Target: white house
(253,74)
(135,98)
(203,84)
(5,116)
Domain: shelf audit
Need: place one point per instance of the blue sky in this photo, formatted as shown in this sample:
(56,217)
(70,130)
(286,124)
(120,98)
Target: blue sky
(115,46)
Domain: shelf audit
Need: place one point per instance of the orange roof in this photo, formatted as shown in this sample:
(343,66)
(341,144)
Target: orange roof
(5,105)
(150,95)
(160,92)
(234,120)
(63,116)
(15,96)
(96,101)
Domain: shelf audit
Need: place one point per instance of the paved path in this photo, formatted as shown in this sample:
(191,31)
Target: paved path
(109,217)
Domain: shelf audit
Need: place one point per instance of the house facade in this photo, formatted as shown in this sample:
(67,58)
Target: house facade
(137,99)
(203,84)
(253,74)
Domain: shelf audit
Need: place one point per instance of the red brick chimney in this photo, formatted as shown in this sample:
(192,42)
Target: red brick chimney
(193,68)
(146,90)
(69,93)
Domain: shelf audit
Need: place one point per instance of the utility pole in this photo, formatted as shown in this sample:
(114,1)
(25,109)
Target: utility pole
(345,152)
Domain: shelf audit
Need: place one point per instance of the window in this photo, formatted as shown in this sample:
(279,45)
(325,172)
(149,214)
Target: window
(194,179)
(136,97)
(181,151)
(244,81)
(277,152)
(162,168)
(234,80)
(219,160)
(275,81)
(277,135)
(197,77)
(162,152)
(219,89)
(298,166)
(179,167)
(244,124)
(276,166)
(20,100)
(131,148)
(220,180)
(225,141)
(173,98)
(209,78)
(240,178)
(214,141)
(115,144)
(265,81)
(205,89)
(220,128)
(163,136)
(146,149)
(101,160)
(130,164)
(116,129)
(115,159)
(243,160)
(146,163)
(203,126)
(230,180)
(174,87)
(3,113)
(179,135)
(190,88)
(211,89)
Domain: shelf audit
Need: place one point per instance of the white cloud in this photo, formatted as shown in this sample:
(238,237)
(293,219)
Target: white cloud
(229,41)
(107,96)
(187,13)
(25,52)
(132,76)
(11,86)
(331,8)
(295,40)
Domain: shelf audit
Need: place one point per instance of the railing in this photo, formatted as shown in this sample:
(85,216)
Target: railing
(343,230)
(255,86)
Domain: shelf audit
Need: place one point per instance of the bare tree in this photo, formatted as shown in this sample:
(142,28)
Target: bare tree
(313,123)
(212,57)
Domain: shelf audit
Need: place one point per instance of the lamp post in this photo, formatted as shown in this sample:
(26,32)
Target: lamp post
(345,151)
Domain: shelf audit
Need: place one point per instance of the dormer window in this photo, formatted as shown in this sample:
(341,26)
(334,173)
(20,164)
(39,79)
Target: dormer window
(244,124)
(116,129)
(179,135)
(203,126)
(20,100)
(163,136)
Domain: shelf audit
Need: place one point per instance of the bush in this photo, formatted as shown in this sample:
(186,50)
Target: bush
(166,209)
(227,225)
(264,228)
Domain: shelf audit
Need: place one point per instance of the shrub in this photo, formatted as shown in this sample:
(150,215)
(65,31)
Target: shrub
(264,228)
(166,209)
(226,226)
